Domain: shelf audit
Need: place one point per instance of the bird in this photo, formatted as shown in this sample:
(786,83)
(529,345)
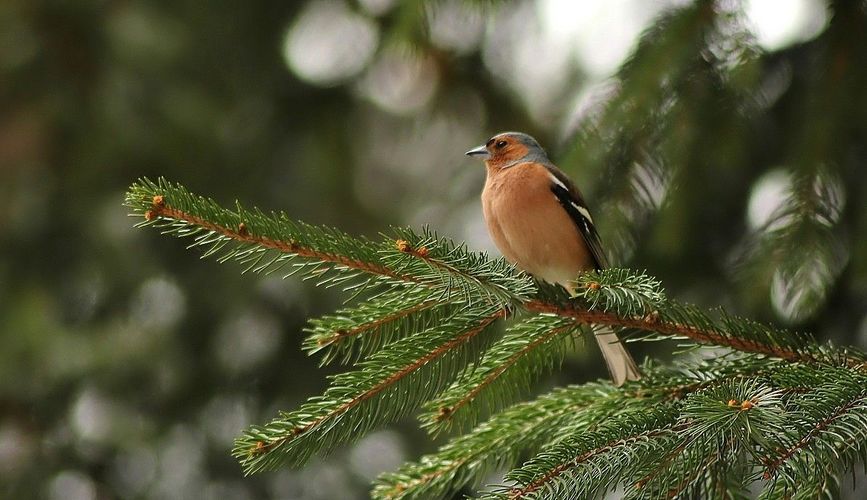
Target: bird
(538,220)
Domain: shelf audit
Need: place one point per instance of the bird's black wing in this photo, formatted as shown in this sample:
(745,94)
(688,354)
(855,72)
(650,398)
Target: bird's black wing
(570,199)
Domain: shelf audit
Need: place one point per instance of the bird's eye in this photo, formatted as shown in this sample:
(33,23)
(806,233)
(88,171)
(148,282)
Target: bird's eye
(501,144)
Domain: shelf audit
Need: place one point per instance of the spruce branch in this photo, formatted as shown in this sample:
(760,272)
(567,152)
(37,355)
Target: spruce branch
(827,431)
(662,455)
(727,420)
(261,243)
(621,291)
(798,247)
(507,371)
(568,469)
(681,321)
(384,388)
(630,131)
(358,331)
(499,442)
(774,406)
(267,243)
(527,427)
(454,267)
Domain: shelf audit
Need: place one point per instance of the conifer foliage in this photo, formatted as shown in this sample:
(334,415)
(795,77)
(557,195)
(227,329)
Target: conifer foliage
(434,329)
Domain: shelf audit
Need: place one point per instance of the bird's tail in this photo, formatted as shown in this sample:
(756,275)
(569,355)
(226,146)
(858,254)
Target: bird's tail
(620,363)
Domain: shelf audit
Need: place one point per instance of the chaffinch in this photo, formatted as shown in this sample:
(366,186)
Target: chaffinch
(539,222)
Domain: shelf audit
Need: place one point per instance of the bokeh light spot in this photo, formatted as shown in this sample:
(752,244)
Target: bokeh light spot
(799,289)
(71,485)
(16,448)
(159,304)
(400,81)
(181,460)
(455,25)
(534,65)
(376,7)
(133,471)
(601,34)
(769,194)
(329,43)
(93,416)
(783,23)
(244,342)
(376,453)
(222,418)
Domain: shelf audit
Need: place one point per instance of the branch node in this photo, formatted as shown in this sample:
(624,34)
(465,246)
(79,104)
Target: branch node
(242,229)
(404,246)
(444,413)
(258,449)
(159,200)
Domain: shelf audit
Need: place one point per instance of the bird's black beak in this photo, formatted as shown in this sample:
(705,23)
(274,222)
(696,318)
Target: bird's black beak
(481,152)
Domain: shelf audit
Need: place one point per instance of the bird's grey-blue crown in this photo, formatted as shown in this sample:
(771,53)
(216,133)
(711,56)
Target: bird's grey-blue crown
(535,152)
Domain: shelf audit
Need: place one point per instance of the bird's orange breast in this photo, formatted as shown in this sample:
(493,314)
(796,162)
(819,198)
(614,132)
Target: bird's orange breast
(530,227)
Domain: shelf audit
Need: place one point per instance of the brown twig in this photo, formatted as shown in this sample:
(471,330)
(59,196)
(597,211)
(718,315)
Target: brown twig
(656,325)
(244,235)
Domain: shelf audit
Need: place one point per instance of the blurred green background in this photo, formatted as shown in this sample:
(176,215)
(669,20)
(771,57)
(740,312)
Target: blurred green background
(723,146)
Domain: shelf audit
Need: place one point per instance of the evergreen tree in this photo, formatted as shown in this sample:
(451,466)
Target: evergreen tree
(123,365)
(697,116)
